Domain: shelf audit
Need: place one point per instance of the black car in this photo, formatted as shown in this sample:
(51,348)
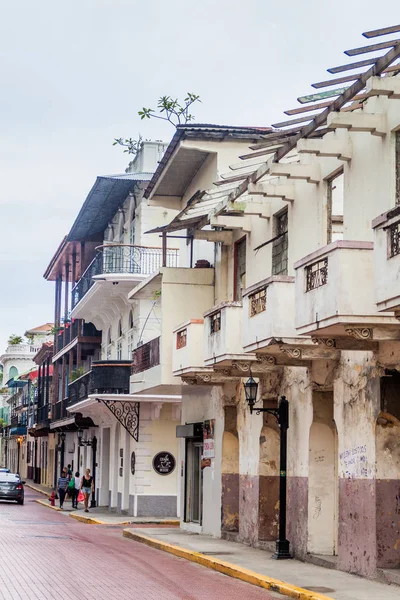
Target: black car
(11,487)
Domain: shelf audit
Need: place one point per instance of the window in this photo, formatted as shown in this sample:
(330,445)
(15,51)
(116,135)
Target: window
(119,350)
(181,339)
(394,239)
(316,274)
(120,328)
(280,245)
(240,268)
(215,322)
(258,302)
(13,372)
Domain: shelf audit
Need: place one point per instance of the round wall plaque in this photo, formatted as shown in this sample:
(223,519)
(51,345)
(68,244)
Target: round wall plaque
(164,463)
(133,463)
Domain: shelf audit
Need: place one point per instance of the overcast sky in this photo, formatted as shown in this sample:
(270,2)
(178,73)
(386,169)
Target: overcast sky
(74,74)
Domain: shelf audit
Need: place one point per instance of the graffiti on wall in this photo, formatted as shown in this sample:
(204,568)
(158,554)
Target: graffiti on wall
(354,462)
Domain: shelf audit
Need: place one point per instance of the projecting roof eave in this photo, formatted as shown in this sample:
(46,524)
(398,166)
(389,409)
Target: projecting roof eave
(106,196)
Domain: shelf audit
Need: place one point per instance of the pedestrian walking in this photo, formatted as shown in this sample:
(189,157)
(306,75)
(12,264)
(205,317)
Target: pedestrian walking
(62,486)
(69,472)
(77,488)
(87,487)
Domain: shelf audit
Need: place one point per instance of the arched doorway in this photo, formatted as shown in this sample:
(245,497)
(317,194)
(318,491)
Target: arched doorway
(322,478)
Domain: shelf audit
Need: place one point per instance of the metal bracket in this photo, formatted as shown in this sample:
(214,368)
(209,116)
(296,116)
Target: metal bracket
(127,413)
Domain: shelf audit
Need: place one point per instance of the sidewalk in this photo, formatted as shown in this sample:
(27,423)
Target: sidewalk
(245,563)
(96,516)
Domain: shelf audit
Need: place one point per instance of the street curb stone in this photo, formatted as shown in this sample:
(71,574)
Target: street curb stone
(227,568)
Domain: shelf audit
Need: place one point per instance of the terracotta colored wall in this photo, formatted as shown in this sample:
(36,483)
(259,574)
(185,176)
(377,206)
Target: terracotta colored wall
(297,515)
(268,508)
(357,526)
(230,502)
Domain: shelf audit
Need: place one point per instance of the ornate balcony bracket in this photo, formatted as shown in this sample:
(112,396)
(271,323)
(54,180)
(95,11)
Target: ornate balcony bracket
(291,352)
(326,342)
(360,333)
(127,413)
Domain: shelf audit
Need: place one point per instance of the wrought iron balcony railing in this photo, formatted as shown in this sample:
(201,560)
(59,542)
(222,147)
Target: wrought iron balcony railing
(122,259)
(105,377)
(146,356)
(42,414)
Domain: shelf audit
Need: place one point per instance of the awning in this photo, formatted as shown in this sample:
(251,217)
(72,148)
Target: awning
(102,202)
(18,431)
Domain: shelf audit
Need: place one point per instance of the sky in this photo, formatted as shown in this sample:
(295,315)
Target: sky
(73,76)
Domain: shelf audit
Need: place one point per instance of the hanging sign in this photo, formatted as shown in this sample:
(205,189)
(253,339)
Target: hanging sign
(164,463)
(208,439)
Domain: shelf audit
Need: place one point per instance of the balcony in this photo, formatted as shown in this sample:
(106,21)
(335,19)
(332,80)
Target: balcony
(105,377)
(187,348)
(222,335)
(22,350)
(335,293)
(184,294)
(43,415)
(115,264)
(74,332)
(268,313)
(387,260)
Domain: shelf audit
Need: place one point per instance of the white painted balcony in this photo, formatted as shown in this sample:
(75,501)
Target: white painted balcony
(335,292)
(22,350)
(187,348)
(222,335)
(173,295)
(387,261)
(268,313)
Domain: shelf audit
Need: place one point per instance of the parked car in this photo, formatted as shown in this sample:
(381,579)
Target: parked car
(4,470)
(11,487)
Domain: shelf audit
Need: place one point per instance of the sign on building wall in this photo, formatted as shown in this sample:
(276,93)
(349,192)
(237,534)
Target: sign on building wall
(208,439)
(164,463)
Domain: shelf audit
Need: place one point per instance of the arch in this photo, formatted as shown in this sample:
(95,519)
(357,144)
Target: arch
(13,372)
(230,482)
(268,497)
(322,489)
(387,436)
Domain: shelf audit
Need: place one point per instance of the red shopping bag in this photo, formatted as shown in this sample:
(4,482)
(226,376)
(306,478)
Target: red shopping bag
(81,497)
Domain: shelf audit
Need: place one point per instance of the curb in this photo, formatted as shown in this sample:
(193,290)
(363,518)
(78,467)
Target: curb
(38,490)
(47,505)
(93,521)
(227,568)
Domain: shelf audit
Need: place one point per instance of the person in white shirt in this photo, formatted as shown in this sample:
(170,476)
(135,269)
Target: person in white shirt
(76,490)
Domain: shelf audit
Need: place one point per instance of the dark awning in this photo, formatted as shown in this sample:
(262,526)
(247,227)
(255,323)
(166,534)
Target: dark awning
(102,202)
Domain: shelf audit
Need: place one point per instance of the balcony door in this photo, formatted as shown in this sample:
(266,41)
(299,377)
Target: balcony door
(239,269)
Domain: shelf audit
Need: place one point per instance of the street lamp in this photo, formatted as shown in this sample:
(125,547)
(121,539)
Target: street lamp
(281,414)
(93,443)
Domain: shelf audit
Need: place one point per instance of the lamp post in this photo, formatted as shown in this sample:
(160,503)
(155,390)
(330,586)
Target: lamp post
(93,443)
(281,414)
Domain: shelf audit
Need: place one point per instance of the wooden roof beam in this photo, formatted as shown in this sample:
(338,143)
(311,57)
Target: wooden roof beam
(372,48)
(375,124)
(339,149)
(383,31)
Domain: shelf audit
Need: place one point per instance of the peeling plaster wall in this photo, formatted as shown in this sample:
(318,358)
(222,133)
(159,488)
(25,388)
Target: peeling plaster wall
(388,491)
(356,399)
(269,481)
(297,387)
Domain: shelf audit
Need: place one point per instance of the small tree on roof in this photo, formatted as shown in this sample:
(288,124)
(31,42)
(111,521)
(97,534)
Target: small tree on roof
(168,109)
(15,340)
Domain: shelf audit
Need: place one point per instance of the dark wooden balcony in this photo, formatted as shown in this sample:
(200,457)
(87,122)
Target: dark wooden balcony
(146,356)
(76,329)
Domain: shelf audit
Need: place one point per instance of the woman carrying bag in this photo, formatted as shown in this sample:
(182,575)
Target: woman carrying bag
(87,487)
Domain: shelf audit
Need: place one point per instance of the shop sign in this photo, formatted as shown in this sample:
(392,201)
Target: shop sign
(208,439)
(164,463)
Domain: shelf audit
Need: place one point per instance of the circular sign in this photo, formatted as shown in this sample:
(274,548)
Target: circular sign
(164,463)
(133,463)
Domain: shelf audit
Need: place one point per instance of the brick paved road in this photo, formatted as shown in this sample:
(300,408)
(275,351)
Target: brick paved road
(46,555)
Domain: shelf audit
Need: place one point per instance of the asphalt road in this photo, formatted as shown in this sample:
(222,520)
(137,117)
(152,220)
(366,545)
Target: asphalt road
(46,555)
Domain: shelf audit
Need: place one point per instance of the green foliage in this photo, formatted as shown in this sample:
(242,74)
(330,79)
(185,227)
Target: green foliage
(171,110)
(78,372)
(15,340)
(168,109)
